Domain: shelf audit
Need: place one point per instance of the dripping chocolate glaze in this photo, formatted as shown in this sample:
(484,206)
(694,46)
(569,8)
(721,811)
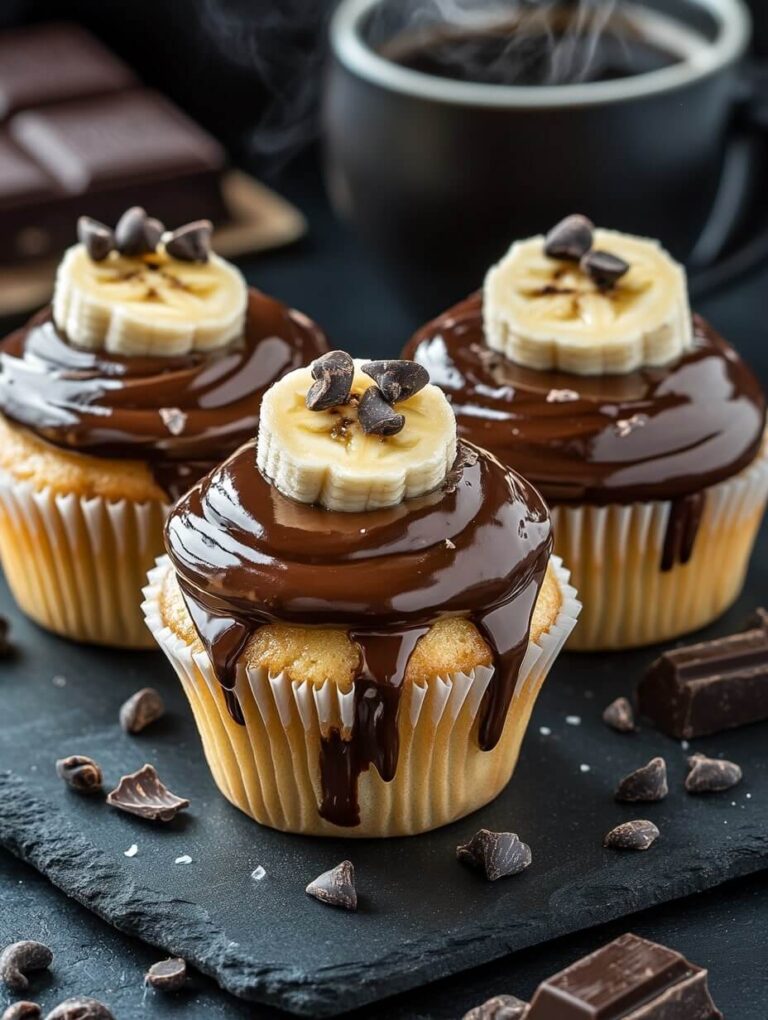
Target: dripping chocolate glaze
(661,433)
(245,555)
(108,405)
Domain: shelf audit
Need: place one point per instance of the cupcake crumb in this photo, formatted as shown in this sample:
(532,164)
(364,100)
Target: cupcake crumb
(59,681)
(585,768)
(184,859)
(545,731)
(573,720)
(449,544)
(258,874)
(132,850)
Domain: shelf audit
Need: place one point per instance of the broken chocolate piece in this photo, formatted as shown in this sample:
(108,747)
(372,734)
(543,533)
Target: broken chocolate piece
(336,887)
(80,1008)
(629,977)
(758,620)
(604,268)
(333,374)
(376,416)
(708,687)
(20,957)
(648,783)
(619,716)
(639,834)
(98,238)
(80,772)
(192,242)
(496,854)
(23,1011)
(136,233)
(142,793)
(141,709)
(397,380)
(167,975)
(570,239)
(500,1007)
(711,775)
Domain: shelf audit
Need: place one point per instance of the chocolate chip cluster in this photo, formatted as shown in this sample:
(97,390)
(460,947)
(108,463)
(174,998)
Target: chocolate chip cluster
(395,381)
(137,234)
(572,239)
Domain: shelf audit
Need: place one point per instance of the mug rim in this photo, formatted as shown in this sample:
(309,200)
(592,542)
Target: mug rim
(353,54)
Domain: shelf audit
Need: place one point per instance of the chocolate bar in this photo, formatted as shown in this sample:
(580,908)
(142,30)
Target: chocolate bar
(630,977)
(708,687)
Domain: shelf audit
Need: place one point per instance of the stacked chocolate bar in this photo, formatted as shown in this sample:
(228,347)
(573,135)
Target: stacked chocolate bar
(80,135)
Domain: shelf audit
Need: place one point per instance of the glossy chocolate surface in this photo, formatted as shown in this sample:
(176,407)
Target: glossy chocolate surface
(654,434)
(181,414)
(477,547)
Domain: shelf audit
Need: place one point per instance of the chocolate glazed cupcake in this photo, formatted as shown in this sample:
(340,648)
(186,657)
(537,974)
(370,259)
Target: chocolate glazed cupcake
(581,366)
(148,369)
(360,610)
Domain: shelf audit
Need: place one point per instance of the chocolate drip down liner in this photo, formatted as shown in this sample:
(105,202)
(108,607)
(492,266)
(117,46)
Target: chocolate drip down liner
(270,767)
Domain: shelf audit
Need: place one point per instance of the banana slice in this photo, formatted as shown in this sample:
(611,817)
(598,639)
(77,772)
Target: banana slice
(151,304)
(325,457)
(549,313)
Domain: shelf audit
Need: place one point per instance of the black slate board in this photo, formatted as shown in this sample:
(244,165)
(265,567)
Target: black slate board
(422,915)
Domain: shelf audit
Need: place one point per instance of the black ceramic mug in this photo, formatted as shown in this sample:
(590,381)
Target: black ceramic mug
(440,175)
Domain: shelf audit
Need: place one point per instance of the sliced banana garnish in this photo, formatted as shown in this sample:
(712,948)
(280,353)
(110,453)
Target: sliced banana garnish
(151,304)
(325,456)
(549,313)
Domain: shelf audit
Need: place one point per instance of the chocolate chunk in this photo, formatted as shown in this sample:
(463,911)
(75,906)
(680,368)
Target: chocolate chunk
(500,1007)
(80,1008)
(619,716)
(376,416)
(604,268)
(99,239)
(167,975)
(136,233)
(141,709)
(397,380)
(336,887)
(647,783)
(639,834)
(142,793)
(23,1011)
(495,854)
(192,242)
(629,977)
(333,373)
(758,620)
(20,957)
(81,773)
(708,687)
(711,775)
(570,239)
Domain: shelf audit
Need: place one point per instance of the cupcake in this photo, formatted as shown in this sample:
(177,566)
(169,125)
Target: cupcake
(148,369)
(581,365)
(360,608)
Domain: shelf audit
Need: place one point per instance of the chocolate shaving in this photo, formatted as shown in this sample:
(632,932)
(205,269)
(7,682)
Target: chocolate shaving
(80,1008)
(604,268)
(397,380)
(18,958)
(495,854)
(376,416)
(639,834)
(333,374)
(711,775)
(23,1011)
(648,783)
(619,716)
(141,709)
(336,887)
(142,793)
(98,238)
(167,975)
(570,239)
(80,772)
(500,1007)
(192,242)
(136,233)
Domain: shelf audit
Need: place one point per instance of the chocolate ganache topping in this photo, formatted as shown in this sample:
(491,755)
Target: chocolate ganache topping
(182,414)
(476,547)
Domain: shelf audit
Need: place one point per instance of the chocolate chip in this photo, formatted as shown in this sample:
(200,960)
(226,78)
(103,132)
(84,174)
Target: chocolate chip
(570,238)
(496,854)
(81,773)
(376,416)
(136,233)
(639,834)
(80,1008)
(500,1007)
(604,268)
(336,887)
(98,238)
(20,957)
(141,709)
(23,1011)
(192,242)
(647,783)
(619,716)
(167,975)
(397,380)
(711,775)
(142,793)
(333,373)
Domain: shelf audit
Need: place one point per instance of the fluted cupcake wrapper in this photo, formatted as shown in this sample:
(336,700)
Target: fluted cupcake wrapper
(269,767)
(76,565)
(615,556)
